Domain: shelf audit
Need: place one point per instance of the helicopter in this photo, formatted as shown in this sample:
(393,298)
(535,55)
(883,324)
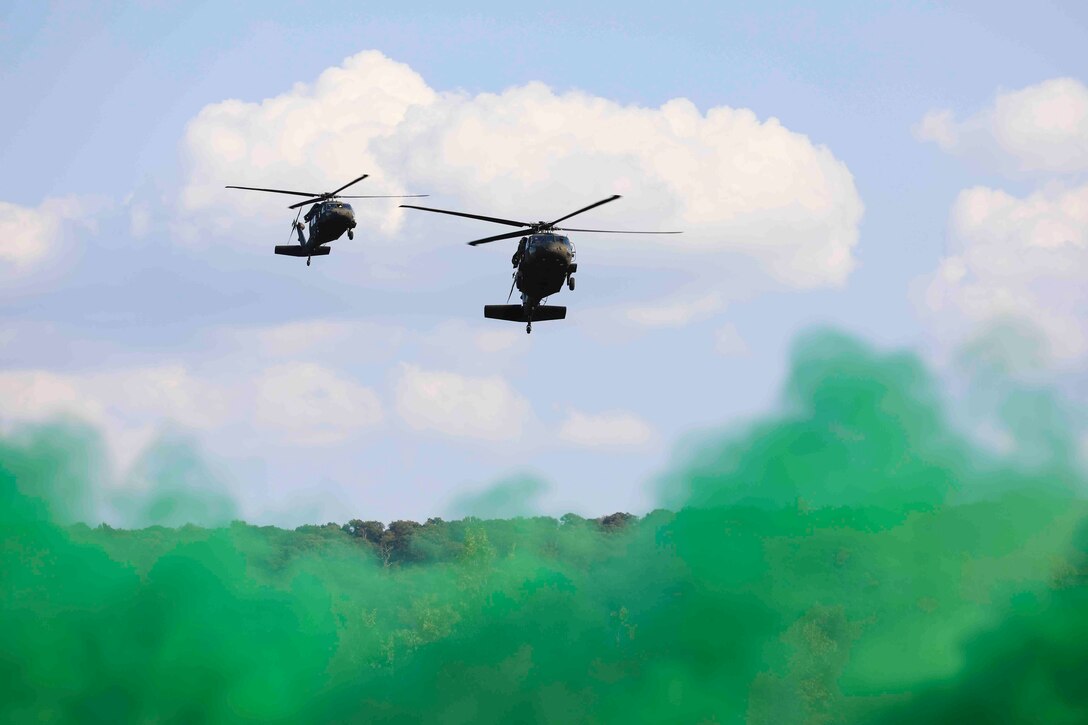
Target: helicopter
(542,262)
(328,218)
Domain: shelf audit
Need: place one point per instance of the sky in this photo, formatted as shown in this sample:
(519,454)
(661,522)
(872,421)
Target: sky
(915,174)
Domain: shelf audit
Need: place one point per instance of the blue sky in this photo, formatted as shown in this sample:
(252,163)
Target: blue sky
(151,309)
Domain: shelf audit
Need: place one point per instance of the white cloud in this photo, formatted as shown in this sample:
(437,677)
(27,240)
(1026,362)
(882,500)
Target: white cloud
(1041,128)
(732,182)
(1016,258)
(461,406)
(457,344)
(300,338)
(167,391)
(497,340)
(300,405)
(129,406)
(461,343)
(605,430)
(29,234)
(37,395)
(347,342)
(311,405)
(140,220)
(676,313)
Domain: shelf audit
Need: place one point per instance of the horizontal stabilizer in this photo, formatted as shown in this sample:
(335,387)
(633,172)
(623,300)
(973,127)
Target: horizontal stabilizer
(294,250)
(516,313)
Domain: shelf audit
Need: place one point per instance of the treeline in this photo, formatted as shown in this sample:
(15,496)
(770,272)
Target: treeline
(438,540)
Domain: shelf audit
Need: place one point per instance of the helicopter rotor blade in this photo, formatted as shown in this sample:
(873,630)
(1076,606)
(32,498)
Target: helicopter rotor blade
(591,206)
(382,196)
(609,231)
(354,181)
(275,191)
(317,199)
(497,237)
(308,201)
(508,222)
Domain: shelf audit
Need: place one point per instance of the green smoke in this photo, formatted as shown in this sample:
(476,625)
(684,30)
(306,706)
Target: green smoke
(511,497)
(172,485)
(854,558)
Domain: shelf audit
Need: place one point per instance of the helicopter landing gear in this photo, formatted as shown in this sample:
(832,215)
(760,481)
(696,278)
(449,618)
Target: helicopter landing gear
(351,234)
(570,283)
(307,261)
(528,327)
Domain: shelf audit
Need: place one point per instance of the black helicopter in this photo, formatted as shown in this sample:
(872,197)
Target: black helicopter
(542,262)
(328,218)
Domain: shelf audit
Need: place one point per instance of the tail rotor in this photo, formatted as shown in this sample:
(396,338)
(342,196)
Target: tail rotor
(294,225)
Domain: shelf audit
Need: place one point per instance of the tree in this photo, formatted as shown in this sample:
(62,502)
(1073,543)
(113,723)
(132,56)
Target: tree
(397,541)
(616,521)
(369,531)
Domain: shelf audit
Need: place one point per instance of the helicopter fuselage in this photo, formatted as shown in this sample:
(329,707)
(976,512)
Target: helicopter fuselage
(544,263)
(328,221)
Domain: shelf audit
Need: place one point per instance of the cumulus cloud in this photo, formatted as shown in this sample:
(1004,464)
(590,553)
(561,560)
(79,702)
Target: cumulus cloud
(347,341)
(462,342)
(37,395)
(733,182)
(29,234)
(303,337)
(615,429)
(1014,258)
(312,405)
(1040,128)
(169,391)
(129,406)
(487,408)
(675,313)
(302,404)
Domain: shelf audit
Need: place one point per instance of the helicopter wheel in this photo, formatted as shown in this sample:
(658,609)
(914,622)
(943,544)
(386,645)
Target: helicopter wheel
(528,328)
(307,261)
(351,234)
(570,283)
